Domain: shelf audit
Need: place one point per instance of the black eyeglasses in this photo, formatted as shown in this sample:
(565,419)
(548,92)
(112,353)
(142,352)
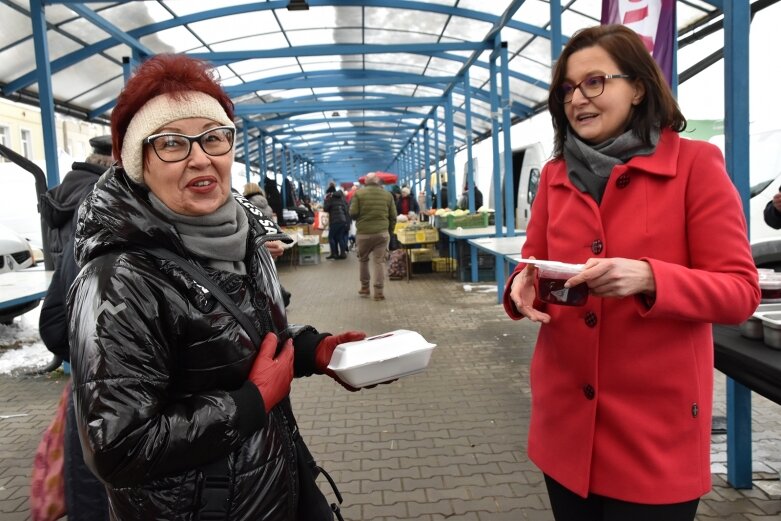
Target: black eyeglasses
(591,87)
(171,147)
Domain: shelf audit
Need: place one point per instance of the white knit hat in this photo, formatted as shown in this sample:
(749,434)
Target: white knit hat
(158,112)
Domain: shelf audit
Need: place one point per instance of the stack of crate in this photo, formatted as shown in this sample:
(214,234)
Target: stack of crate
(309,250)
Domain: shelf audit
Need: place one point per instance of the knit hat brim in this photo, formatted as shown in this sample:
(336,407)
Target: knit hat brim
(160,111)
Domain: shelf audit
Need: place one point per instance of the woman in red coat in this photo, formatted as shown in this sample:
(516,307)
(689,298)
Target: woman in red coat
(622,386)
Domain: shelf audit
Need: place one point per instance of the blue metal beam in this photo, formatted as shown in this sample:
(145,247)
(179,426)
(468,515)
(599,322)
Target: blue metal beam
(327,106)
(66,61)
(110,28)
(45,95)
(220,58)
(329,82)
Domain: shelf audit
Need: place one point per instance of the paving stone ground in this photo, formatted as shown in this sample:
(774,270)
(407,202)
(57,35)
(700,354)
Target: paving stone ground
(445,444)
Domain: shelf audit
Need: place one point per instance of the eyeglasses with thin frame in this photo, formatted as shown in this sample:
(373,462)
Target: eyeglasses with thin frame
(172,147)
(591,87)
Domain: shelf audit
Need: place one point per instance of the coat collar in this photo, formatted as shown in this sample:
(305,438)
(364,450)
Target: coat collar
(661,163)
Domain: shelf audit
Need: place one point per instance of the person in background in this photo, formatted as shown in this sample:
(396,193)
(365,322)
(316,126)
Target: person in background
(180,414)
(622,386)
(273,197)
(374,213)
(772,213)
(60,204)
(440,200)
(463,202)
(338,224)
(85,496)
(406,203)
(255,194)
(331,188)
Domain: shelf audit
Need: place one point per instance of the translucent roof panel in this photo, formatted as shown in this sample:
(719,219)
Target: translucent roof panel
(331,59)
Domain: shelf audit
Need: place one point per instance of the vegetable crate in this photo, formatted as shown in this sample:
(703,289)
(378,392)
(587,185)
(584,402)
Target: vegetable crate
(441,264)
(473,220)
(411,235)
(308,254)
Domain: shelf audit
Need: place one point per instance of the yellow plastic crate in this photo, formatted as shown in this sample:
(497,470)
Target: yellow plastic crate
(442,264)
(411,235)
(421,255)
(426,235)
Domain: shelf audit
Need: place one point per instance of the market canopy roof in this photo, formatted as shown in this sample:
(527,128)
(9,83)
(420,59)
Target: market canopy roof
(346,86)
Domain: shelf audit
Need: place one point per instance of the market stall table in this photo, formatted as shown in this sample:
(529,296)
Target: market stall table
(28,286)
(750,365)
(463,234)
(500,247)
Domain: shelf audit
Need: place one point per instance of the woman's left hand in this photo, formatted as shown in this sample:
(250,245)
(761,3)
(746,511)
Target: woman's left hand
(275,248)
(616,277)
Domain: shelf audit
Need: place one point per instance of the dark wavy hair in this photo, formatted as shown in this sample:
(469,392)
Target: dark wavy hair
(171,74)
(658,107)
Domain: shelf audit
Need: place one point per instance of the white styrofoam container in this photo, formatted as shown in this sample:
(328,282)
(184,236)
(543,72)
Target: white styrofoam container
(381,358)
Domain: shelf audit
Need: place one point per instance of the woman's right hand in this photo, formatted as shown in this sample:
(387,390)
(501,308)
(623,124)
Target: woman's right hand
(522,294)
(272,374)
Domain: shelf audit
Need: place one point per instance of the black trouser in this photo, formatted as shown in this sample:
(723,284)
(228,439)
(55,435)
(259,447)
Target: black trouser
(568,506)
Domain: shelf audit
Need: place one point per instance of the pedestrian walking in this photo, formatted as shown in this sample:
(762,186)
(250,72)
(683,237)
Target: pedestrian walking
(374,212)
(338,224)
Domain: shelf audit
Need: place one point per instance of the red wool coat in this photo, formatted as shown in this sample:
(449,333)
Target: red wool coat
(622,393)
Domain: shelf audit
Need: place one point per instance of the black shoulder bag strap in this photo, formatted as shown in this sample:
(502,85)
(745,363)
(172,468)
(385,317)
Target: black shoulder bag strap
(216,479)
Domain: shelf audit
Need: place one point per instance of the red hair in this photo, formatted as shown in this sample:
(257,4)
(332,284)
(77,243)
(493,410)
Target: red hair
(171,74)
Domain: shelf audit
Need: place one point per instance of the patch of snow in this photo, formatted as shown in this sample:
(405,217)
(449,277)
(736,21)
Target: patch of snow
(21,348)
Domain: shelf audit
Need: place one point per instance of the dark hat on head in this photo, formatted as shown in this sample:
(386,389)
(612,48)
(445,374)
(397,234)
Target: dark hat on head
(101,145)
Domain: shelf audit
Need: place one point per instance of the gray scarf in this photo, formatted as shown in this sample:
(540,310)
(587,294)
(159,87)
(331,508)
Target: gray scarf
(589,166)
(219,238)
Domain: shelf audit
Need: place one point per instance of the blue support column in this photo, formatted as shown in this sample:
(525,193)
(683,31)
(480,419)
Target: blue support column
(509,187)
(427,166)
(421,162)
(555,30)
(737,18)
(738,435)
(247,171)
(45,96)
(497,174)
(437,177)
(262,158)
(283,190)
(470,175)
(450,149)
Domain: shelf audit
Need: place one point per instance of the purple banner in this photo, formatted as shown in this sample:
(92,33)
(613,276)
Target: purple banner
(653,20)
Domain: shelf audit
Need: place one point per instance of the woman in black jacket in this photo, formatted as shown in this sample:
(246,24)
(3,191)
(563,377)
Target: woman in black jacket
(180,414)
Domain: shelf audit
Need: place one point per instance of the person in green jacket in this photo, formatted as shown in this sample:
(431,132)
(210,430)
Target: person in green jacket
(374,212)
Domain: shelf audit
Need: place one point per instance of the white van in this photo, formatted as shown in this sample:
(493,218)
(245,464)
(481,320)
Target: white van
(531,142)
(765,181)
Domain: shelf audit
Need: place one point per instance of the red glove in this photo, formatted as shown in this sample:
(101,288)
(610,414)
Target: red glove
(271,375)
(325,350)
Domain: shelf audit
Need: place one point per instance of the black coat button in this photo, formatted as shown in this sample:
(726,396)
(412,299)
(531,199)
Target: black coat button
(591,319)
(622,181)
(597,246)
(588,391)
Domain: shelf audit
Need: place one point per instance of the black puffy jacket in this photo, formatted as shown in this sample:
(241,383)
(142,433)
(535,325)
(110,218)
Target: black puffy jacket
(59,205)
(160,367)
